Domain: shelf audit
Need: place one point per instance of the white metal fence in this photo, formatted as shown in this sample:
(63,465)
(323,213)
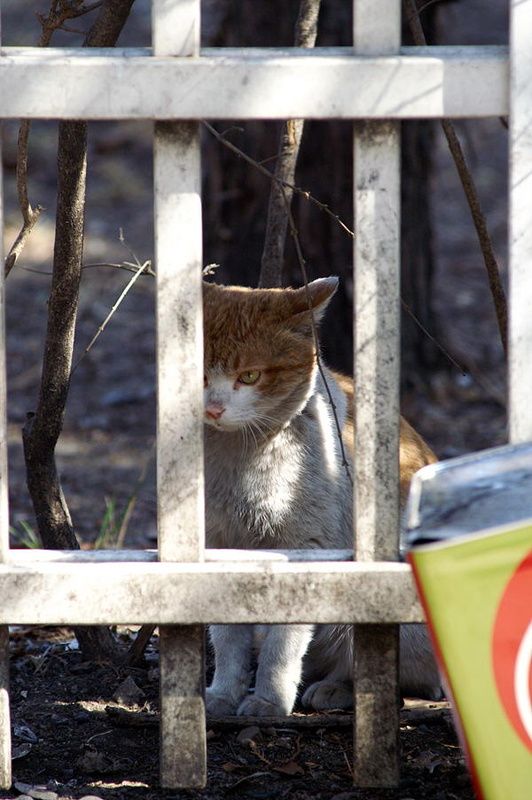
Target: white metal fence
(375,84)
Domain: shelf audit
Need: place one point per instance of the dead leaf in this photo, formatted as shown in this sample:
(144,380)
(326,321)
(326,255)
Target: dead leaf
(230,767)
(249,735)
(21,750)
(290,768)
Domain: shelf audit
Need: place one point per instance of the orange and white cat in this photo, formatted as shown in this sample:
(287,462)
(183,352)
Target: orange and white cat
(274,479)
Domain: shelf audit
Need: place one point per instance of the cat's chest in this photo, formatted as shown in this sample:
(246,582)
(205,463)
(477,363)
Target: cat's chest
(250,492)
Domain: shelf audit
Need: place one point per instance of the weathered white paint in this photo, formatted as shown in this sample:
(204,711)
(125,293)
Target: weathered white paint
(180,490)
(255,85)
(376,336)
(520,241)
(4,515)
(178,262)
(277,591)
(376,27)
(182,732)
(5,722)
(176,27)
(376,258)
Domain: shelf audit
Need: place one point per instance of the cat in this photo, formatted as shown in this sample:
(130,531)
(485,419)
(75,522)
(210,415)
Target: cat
(274,479)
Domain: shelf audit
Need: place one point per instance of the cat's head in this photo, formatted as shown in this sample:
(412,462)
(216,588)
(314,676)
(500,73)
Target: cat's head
(260,354)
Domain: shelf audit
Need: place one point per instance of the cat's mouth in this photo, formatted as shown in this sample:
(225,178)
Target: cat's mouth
(221,424)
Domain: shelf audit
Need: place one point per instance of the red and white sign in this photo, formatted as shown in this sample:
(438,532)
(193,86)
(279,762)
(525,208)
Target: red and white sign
(512,650)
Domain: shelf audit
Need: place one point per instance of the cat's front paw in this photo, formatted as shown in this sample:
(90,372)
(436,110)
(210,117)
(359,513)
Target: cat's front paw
(219,705)
(256,706)
(325,695)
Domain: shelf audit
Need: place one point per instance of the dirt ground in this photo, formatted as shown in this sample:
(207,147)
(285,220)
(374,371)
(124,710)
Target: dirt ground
(65,743)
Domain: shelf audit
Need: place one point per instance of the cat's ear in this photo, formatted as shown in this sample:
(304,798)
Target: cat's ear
(318,292)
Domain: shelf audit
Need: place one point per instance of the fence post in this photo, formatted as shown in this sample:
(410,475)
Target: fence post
(177,178)
(520,222)
(377,30)
(5,726)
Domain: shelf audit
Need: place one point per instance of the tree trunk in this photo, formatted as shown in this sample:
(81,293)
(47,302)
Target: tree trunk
(271,272)
(42,429)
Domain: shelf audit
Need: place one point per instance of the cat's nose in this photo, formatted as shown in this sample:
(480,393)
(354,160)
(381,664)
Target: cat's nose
(214,411)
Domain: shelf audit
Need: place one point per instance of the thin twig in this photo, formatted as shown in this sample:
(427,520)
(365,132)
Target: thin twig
(270,175)
(303,268)
(468,185)
(136,276)
(123,717)
(440,347)
(29,215)
(19,243)
(60,10)
(125,265)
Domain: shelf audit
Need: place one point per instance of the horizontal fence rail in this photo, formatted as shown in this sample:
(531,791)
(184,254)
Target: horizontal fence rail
(45,592)
(254,84)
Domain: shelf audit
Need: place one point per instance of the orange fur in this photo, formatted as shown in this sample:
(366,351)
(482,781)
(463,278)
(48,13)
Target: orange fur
(274,478)
(414,452)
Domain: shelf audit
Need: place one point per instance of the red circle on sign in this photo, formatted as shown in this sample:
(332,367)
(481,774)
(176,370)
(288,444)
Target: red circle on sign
(512,650)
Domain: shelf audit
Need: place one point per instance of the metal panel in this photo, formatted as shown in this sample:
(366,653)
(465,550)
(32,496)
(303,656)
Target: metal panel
(377,28)
(520,244)
(178,244)
(255,85)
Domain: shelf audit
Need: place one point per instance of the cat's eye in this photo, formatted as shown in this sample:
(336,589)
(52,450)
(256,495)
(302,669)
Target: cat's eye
(249,377)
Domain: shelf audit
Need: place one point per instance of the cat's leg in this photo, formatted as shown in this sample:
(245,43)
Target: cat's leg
(418,673)
(330,659)
(278,671)
(233,647)
(334,691)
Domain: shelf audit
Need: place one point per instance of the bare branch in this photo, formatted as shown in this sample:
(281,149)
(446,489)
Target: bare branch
(19,243)
(281,191)
(270,175)
(440,347)
(29,215)
(60,10)
(140,270)
(42,430)
(468,185)
(125,265)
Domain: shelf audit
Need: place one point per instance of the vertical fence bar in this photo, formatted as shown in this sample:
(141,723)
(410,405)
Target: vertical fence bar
(377,30)
(5,726)
(520,223)
(177,176)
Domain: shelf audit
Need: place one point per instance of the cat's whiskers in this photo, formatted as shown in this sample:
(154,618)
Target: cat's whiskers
(248,434)
(265,425)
